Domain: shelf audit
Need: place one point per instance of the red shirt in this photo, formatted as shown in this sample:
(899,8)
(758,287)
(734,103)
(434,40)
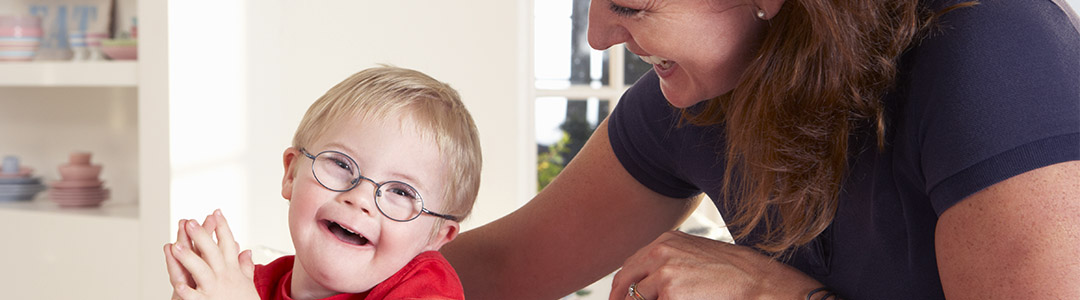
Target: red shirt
(427,276)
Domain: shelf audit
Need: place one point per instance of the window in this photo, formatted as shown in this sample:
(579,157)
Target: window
(575,89)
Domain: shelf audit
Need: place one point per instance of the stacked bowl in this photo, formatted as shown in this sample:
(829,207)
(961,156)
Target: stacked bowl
(20,37)
(17,182)
(79,185)
(120,49)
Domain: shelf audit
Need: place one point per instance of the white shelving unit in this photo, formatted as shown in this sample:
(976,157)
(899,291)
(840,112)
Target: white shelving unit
(154,124)
(69,74)
(117,110)
(51,108)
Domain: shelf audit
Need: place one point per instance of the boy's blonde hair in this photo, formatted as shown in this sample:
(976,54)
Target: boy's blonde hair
(380,92)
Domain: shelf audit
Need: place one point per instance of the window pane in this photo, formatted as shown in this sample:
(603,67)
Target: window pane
(634,68)
(552,45)
(562,127)
(561,48)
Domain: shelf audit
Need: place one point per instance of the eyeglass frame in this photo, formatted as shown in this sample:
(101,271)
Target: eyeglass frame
(378,187)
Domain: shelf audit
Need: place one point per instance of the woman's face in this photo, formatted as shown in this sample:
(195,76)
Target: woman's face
(699,48)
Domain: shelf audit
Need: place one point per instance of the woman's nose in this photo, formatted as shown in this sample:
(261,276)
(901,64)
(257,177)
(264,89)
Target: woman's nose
(604,31)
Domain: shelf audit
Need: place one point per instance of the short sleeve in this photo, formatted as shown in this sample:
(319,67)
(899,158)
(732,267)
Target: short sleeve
(642,131)
(998,91)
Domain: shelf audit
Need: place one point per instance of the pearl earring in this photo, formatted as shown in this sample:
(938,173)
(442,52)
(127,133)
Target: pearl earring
(761,13)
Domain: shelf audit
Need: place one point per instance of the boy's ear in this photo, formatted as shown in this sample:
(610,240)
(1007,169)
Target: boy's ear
(447,232)
(289,159)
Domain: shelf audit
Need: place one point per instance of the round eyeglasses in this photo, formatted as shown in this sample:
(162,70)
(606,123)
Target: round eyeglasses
(396,200)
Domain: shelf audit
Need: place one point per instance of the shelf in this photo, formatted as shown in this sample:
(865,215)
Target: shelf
(68,73)
(115,211)
(90,254)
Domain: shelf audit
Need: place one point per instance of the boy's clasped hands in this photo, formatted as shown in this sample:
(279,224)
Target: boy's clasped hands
(205,262)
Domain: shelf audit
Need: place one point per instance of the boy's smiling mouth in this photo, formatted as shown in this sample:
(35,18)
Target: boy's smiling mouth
(344,234)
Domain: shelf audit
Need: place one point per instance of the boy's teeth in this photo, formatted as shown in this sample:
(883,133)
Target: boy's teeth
(347,235)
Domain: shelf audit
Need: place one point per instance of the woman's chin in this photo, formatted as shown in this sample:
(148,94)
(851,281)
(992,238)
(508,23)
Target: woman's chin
(679,98)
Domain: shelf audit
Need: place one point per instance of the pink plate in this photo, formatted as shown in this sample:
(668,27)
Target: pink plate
(76,184)
(81,204)
(77,197)
(74,197)
(79,190)
(61,193)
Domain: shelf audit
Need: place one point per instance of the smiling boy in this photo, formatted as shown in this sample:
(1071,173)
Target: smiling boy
(381,170)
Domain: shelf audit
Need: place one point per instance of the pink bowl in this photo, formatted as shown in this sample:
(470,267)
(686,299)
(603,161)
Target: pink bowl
(80,172)
(20,26)
(79,158)
(121,52)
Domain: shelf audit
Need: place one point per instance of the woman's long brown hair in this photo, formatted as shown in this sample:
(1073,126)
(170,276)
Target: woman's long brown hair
(817,79)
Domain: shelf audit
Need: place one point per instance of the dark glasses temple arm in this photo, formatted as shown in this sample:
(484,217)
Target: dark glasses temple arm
(448,217)
(304,151)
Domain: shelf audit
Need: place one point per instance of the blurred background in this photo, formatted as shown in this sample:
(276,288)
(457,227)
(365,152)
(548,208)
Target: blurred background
(198,119)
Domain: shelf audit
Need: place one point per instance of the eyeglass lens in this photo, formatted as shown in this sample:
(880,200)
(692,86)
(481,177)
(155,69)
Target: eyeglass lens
(338,172)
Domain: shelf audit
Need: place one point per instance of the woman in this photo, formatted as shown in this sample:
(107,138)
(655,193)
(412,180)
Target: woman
(858,149)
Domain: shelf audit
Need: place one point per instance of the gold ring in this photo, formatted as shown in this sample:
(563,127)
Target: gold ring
(633,293)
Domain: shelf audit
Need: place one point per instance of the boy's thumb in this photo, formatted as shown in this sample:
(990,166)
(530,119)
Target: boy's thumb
(246,265)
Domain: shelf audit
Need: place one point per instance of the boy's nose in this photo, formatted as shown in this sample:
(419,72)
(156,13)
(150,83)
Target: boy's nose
(361,197)
(355,202)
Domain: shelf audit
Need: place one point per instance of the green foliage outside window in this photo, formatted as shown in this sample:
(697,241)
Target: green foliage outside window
(551,162)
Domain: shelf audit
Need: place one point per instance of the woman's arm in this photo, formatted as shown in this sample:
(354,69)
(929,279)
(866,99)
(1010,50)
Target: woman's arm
(581,227)
(1017,239)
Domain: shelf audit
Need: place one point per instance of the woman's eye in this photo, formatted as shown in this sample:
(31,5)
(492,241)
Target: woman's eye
(623,11)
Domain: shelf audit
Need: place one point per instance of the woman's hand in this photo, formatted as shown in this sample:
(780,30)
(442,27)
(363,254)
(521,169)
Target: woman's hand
(681,266)
(200,268)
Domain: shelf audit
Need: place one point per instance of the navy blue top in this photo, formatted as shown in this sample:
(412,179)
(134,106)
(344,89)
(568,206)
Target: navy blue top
(996,93)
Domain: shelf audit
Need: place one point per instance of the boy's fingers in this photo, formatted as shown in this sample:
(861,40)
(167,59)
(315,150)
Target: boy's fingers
(225,237)
(183,239)
(209,250)
(246,265)
(177,274)
(187,293)
(182,236)
(210,224)
(200,272)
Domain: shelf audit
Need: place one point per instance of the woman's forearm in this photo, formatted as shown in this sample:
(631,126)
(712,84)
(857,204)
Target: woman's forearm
(580,228)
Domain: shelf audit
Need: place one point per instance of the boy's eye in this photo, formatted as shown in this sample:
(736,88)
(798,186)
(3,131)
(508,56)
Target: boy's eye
(341,164)
(401,192)
(623,11)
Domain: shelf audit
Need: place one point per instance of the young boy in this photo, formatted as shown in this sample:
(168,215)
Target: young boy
(381,170)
